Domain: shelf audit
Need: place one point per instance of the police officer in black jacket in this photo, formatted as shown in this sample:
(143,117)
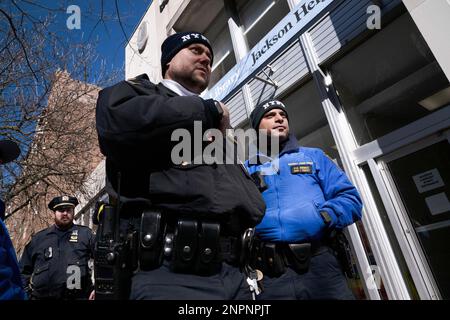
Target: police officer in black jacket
(54,264)
(189,217)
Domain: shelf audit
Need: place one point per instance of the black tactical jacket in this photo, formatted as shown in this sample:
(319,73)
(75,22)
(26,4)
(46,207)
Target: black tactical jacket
(52,257)
(135,121)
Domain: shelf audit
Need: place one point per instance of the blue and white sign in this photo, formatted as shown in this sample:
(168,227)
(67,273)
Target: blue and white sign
(287,28)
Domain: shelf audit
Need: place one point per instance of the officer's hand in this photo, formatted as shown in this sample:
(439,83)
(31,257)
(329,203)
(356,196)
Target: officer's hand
(225,121)
(92,295)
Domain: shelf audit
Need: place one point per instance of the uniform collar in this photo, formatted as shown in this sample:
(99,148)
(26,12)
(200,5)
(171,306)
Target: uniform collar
(177,88)
(55,229)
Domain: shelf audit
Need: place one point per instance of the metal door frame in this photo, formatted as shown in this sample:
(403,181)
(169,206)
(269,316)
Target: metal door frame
(416,254)
(437,123)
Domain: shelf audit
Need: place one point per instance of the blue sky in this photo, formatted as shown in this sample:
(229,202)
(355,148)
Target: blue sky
(99,23)
(112,41)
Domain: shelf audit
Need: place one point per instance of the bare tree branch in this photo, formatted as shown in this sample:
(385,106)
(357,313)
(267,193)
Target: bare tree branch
(13,28)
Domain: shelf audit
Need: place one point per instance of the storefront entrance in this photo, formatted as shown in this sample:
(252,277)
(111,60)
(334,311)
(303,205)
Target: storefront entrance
(419,176)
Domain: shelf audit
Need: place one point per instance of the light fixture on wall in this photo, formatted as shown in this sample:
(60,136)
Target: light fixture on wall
(327,80)
(142,37)
(162,4)
(437,100)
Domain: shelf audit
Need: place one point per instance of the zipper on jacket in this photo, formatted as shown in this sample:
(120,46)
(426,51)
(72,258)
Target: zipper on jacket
(281,230)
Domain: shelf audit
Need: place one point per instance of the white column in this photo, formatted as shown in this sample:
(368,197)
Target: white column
(241,49)
(293,3)
(240,45)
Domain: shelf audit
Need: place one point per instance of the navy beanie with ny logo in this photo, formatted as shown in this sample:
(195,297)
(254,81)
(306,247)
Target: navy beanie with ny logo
(174,43)
(264,107)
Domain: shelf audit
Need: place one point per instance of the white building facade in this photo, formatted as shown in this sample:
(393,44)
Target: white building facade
(366,81)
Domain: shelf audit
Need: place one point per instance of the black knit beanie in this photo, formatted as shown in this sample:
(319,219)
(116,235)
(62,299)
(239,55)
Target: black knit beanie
(264,107)
(178,41)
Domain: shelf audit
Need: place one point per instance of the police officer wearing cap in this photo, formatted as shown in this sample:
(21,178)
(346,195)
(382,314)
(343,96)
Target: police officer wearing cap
(54,264)
(10,281)
(308,199)
(189,217)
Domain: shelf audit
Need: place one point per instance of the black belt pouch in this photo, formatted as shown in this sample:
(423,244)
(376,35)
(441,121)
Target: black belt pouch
(150,240)
(299,256)
(185,246)
(208,259)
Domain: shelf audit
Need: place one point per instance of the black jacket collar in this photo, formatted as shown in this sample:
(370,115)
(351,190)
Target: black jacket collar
(166,91)
(290,145)
(54,229)
(143,80)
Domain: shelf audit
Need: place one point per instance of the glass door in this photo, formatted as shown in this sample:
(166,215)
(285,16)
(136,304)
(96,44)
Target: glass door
(419,178)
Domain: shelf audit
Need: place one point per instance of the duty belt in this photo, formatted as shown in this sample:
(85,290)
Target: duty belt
(191,246)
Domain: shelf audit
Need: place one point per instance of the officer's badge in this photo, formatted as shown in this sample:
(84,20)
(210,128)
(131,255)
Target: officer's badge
(74,236)
(301,168)
(48,253)
(65,198)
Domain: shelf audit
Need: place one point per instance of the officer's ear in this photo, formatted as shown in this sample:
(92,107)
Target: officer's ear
(167,68)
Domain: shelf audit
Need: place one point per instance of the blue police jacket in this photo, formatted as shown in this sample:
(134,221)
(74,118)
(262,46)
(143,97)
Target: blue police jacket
(10,280)
(302,182)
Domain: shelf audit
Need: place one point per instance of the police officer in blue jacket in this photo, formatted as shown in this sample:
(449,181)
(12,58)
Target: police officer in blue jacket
(307,198)
(54,264)
(10,281)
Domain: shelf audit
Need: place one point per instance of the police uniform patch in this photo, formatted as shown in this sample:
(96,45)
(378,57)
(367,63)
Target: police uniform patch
(74,236)
(301,168)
